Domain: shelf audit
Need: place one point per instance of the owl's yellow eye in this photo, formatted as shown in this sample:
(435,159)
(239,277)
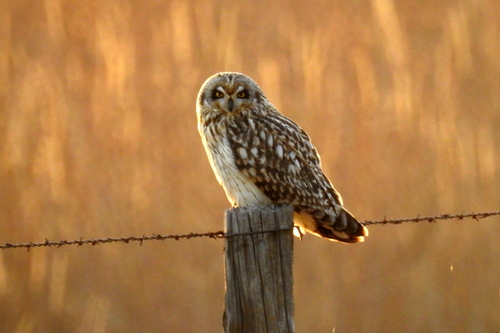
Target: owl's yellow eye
(218,94)
(242,94)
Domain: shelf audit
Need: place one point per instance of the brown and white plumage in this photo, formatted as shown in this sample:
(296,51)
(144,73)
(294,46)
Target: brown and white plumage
(261,157)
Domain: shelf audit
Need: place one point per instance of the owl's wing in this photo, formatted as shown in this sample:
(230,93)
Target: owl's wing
(277,155)
(279,158)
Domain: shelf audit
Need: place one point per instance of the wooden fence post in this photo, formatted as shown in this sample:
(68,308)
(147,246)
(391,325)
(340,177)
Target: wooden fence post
(259,281)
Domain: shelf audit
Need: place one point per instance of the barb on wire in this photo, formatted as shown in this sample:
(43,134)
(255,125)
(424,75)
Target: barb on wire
(221,234)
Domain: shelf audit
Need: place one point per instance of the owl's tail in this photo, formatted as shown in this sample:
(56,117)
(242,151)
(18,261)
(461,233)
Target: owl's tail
(345,229)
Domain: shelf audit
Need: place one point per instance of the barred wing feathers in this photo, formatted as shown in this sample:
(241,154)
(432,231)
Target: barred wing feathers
(284,165)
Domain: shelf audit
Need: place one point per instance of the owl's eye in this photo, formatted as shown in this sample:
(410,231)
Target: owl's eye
(218,94)
(242,94)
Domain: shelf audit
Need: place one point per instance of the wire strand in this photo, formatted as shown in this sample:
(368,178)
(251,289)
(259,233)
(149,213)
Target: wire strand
(221,234)
(475,216)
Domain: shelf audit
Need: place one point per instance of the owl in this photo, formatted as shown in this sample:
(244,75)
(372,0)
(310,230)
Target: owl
(261,157)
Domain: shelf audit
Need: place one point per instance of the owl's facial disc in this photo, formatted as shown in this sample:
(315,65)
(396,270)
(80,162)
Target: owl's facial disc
(231,99)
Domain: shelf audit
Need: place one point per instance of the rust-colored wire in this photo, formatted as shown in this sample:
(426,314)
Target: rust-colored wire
(221,234)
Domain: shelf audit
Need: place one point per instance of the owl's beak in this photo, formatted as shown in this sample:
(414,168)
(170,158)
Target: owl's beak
(230,105)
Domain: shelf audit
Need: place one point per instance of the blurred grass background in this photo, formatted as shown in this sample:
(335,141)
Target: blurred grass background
(98,138)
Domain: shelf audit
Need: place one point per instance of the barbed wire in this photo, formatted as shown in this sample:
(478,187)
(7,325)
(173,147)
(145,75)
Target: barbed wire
(221,234)
(475,216)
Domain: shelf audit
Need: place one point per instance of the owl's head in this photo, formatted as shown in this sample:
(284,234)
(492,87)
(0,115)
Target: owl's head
(230,93)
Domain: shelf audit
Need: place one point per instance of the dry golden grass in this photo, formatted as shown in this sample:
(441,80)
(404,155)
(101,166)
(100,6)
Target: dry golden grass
(98,138)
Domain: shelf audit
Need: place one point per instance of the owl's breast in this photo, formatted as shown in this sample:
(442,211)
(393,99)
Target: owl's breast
(240,189)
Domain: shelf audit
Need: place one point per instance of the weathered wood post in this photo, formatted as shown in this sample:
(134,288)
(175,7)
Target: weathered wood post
(259,281)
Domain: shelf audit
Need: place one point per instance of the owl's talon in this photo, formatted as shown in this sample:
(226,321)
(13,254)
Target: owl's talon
(297,232)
